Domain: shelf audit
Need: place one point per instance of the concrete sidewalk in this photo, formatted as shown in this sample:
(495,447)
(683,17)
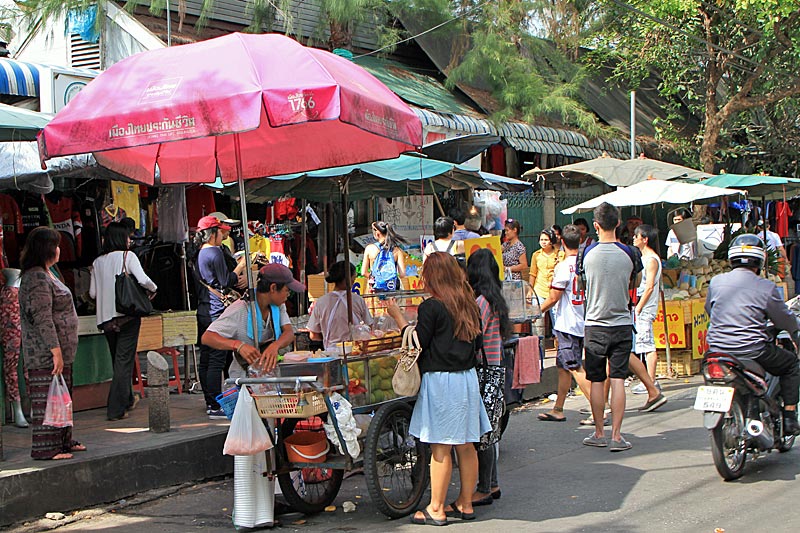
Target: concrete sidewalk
(124,458)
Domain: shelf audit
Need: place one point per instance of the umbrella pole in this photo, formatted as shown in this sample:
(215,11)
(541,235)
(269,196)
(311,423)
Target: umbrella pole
(667,347)
(346,253)
(251,291)
(764,227)
(303,251)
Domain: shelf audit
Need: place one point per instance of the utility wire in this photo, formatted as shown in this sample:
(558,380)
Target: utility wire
(462,15)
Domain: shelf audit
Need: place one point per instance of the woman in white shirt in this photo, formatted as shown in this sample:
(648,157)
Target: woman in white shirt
(328,320)
(121,332)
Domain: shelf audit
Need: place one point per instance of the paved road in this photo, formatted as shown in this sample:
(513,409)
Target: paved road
(550,483)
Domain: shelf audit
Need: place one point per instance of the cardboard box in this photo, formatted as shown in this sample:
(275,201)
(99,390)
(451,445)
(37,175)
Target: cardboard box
(150,334)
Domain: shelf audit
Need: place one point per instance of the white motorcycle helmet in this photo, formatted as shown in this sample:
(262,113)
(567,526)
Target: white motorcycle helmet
(747,250)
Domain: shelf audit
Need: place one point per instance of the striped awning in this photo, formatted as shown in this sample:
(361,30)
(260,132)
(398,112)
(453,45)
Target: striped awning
(20,78)
(553,141)
(453,121)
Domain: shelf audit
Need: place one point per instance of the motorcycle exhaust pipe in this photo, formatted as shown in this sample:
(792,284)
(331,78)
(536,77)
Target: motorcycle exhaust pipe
(764,440)
(755,428)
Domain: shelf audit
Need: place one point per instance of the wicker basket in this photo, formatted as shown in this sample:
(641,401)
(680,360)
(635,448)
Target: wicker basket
(285,406)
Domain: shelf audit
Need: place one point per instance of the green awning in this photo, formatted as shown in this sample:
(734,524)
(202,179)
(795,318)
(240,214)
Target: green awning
(415,87)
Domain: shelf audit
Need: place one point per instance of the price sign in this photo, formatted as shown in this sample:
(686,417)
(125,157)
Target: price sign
(699,329)
(675,324)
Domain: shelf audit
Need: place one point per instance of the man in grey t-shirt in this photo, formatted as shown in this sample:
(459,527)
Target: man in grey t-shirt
(608,269)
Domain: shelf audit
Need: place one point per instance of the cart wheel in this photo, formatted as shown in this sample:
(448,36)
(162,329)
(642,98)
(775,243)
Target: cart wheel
(310,490)
(395,463)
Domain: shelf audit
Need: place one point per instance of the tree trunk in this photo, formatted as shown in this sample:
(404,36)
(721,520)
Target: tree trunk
(708,149)
(341,35)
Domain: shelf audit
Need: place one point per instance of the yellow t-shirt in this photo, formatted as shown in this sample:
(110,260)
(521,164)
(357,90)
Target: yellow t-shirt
(259,243)
(126,196)
(542,267)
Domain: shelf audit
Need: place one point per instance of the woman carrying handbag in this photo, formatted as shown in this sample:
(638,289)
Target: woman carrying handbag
(484,277)
(121,331)
(449,411)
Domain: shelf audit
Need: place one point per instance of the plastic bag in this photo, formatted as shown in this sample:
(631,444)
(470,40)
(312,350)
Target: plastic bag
(347,426)
(58,413)
(247,434)
(361,332)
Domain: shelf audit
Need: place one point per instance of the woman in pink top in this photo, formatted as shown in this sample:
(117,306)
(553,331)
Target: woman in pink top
(484,277)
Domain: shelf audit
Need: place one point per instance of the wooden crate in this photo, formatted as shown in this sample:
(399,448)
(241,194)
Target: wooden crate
(682,363)
(179,328)
(150,334)
(378,344)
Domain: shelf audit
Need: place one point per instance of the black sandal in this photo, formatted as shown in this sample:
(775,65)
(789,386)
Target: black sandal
(454,512)
(428,520)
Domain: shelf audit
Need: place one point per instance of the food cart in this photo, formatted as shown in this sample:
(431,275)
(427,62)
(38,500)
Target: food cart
(395,463)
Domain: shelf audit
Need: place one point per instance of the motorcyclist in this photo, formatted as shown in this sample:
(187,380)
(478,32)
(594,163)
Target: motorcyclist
(739,304)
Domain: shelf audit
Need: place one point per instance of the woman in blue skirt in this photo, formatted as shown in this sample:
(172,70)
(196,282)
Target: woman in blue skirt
(449,411)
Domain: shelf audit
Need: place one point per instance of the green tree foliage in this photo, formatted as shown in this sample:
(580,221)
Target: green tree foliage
(724,59)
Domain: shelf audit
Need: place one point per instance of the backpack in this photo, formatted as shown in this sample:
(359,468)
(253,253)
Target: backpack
(460,258)
(633,253)
(384,273)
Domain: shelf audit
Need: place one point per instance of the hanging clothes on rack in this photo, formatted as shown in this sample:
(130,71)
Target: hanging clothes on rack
(12,229)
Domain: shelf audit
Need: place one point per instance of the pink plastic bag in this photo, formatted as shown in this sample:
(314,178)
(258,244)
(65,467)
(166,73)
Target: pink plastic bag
(58,413)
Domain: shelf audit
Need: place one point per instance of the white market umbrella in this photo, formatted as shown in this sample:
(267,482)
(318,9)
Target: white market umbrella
(654,192)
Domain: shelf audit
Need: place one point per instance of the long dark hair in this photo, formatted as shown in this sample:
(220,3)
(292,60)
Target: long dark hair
(484,277)
(40,247)
(447,282)
(115,238)
(393,239)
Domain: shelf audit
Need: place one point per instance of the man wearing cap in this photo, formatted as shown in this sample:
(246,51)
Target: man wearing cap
(213,278)
(234,330)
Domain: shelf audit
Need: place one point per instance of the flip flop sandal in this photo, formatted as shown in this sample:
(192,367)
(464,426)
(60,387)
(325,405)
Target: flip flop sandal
(455,513)
(428,520)
(76,446)
(548,417)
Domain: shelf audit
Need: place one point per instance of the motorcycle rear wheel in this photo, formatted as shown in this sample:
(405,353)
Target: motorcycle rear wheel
(728,444)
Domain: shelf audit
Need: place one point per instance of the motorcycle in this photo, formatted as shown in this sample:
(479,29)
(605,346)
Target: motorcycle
(743,409)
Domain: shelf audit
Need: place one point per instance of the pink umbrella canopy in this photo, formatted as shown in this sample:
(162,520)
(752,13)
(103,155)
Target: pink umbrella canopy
(290,109)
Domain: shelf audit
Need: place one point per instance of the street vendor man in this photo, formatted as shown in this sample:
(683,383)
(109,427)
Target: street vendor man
(233,330)
(328,321)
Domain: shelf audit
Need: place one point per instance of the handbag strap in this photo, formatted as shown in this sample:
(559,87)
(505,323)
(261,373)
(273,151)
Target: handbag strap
(124,262)
(212,290)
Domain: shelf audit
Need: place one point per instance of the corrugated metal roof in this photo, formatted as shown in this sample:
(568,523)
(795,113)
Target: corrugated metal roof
(417,88)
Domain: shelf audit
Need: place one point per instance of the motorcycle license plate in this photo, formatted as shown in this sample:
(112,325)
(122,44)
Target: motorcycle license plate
(716,399)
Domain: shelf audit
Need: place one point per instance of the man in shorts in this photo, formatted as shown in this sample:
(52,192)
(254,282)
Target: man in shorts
(608,268)
(566,299)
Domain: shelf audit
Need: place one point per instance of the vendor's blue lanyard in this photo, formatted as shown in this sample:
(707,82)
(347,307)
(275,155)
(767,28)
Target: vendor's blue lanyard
(276,321)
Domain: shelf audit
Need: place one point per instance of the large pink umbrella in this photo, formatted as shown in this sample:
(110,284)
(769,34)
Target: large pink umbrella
(240,106)
(248,105)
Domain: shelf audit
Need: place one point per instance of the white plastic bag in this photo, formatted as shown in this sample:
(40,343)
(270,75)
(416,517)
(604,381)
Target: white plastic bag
(58,413)
(247,434)
(347,425)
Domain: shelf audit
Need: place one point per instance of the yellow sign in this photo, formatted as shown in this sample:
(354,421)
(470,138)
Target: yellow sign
(360,285)
(699,329)
(491,243)
(675,324)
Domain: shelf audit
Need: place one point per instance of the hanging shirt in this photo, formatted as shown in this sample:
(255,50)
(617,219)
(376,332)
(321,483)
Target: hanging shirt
(111,213)
(782,215)
(11,218)
(199,203)
(34,213)
(66,218)
(126,196)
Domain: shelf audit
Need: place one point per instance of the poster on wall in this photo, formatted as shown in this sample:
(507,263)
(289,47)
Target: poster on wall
(410,216)
(491,243)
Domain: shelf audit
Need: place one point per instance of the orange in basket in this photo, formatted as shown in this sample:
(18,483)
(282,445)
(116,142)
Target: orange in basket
(307,447)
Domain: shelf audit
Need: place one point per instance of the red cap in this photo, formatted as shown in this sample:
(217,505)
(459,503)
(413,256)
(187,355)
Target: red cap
(211,222)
